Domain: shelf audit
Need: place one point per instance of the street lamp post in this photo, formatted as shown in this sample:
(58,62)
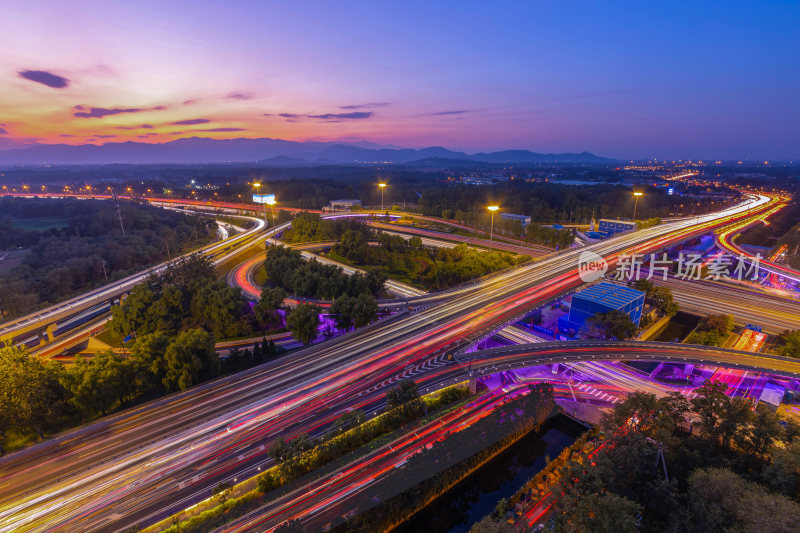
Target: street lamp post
(382,186)
(492,209)
(257,185)
(271,202)
(636,195)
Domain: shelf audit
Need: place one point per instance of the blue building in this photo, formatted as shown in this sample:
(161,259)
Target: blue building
(601,298)
(612,227)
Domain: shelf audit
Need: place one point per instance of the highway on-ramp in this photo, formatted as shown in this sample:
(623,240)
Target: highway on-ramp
(171,453)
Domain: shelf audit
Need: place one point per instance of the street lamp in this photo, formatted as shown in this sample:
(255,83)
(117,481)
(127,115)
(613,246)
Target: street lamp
(492,209)
(257,185)
(636,195)
(382,186)
(271,202)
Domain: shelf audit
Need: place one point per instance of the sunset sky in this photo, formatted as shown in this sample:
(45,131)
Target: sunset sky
(619,79)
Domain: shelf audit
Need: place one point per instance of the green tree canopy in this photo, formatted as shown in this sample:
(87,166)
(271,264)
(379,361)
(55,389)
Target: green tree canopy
(101,383)
(303,322)
(189,359)
(31,396)
(611,324)
(266,310)
(790,344)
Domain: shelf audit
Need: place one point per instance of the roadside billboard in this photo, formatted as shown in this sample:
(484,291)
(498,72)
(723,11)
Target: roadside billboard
(264,198)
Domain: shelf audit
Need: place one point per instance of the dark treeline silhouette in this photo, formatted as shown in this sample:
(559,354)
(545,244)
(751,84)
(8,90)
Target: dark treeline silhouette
(85,247)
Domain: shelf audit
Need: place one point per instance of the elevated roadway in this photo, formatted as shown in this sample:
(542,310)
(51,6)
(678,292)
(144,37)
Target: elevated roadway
(49,317)
(322,500)
(772,312)
(725,240)
(144,464)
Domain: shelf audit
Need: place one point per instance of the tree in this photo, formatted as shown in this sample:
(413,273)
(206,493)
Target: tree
(353,246)
(99,384)
(720,500)
(223,491)
(783,473)
(737,414)
(165,314)
(343,311)
(404,393)
(709,405)
(303,321)
(585,505)
(189,359)
(489,524)
(219,308)
(764,430)
(266,310)
(722,324)
(31,396)
(662,299)
(134,313)
(148,356)
(376,278)
(655,418)
(790,344)
(280,263)
(612,324)
(405,399)
(185,295)
(365,310)
(644,285)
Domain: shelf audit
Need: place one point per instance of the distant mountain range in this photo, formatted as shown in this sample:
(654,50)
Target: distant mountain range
(269,152)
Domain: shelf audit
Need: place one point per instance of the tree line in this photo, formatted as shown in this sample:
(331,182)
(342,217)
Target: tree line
(287,272)
(675,465)
(311,227)
(186,295)
(286,269)
(88,248)
(431,471)
(545,203)
(409,260)
(711,463)
(350,434)
(40,397)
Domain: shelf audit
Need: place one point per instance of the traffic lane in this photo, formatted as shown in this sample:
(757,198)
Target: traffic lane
(625,239)
(78,304)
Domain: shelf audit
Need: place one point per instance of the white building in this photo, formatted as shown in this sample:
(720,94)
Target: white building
(344,205)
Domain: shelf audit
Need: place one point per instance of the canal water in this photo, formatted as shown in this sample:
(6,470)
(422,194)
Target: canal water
(476,496)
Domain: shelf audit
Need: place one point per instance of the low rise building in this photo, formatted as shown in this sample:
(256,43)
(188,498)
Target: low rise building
(601,298)
(344,205)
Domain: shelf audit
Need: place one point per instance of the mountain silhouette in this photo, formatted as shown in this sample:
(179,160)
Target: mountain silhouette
(277,152)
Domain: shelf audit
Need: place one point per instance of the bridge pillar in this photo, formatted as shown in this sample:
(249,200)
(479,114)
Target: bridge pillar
(51,331)
(473,386)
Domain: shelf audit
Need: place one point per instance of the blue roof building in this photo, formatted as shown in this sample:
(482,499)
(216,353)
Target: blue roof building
(601,298)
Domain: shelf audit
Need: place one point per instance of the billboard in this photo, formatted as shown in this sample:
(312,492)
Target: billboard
(264,198)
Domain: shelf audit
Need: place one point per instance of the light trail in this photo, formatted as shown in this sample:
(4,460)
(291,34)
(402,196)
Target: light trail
(145,463)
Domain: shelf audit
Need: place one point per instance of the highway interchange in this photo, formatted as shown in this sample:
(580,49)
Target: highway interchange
(145,463)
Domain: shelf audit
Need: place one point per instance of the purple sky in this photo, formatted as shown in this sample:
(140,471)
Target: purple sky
(620,79)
